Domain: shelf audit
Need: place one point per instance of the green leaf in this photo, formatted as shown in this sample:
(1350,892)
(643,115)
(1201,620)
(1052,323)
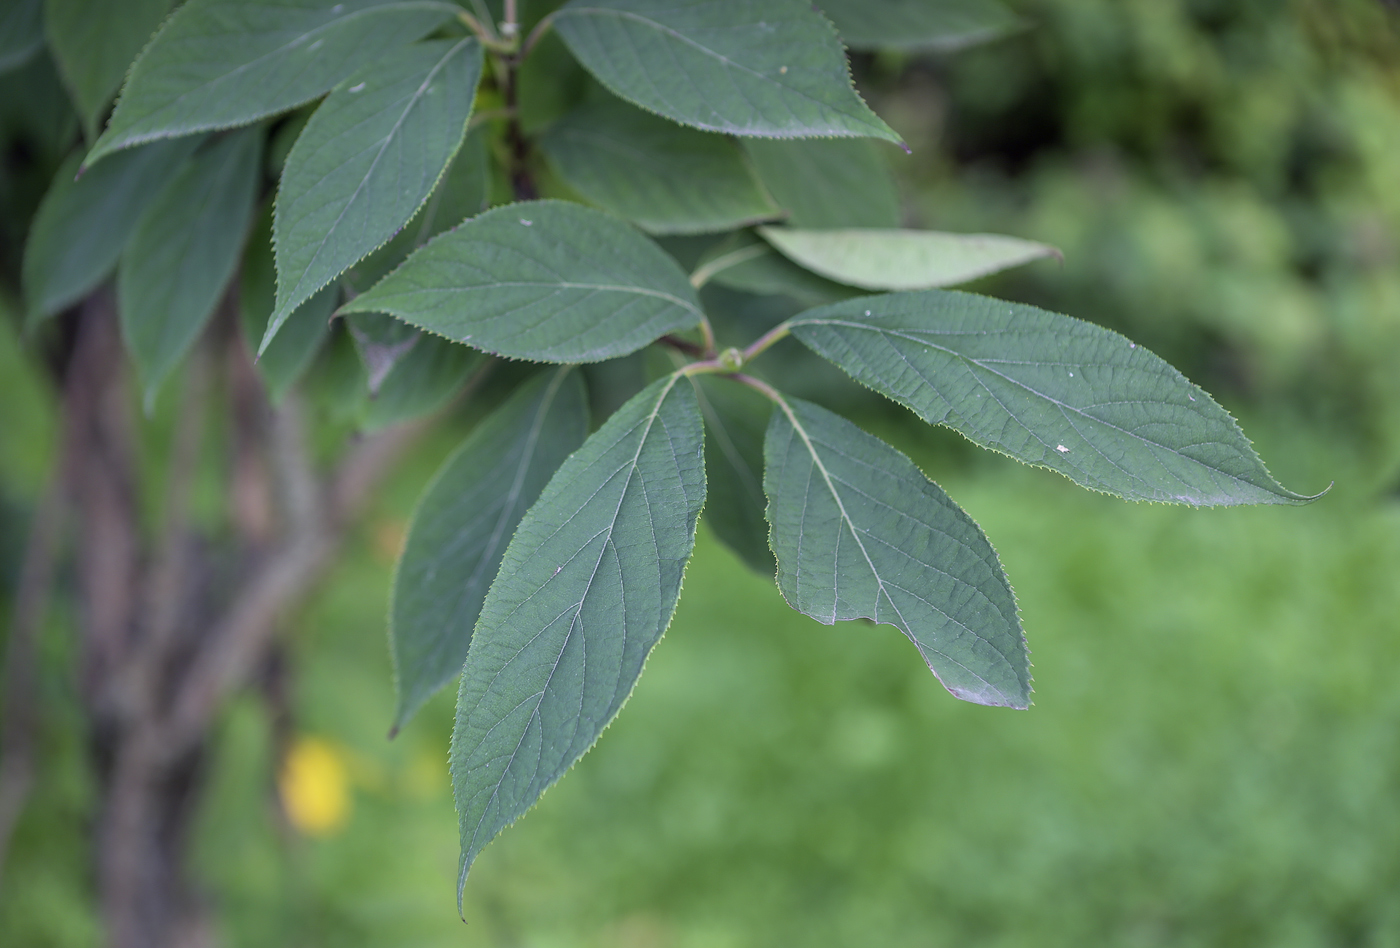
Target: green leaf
(183,252)
(94,44)
(587,587)
(380,341)
(828,182)
(422,380)
(940,25)
(769,68)
(21,32)
(860,532)
(367,162)
(736,418)
(291,353)
(83,224)
(221,63)
(548,281)
(664,178)
(902,259)
(744,262)
(463,522)
(1048,390)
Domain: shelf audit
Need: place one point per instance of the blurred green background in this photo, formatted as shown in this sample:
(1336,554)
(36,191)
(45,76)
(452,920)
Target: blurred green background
(1213,757)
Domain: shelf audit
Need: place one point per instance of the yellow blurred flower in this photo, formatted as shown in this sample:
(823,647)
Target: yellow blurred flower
(315,787)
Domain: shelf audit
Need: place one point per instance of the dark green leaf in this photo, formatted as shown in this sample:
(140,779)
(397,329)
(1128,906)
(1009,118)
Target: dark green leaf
(860,532)
(744,262)
(1049,390)
(463,522)
(221,63)
(586,588)
(736,418)
(21,32)
(828,182)
(95,42)
(381,341)
(665,178)
(770,68)
(422,380)
(942,25)
(544,280)
(82,225)
(367,161)
(902,259)
(183,252)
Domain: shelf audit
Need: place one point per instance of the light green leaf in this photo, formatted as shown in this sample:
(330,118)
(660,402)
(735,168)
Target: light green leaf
(83,224)
(828,182)
(422,380)
(1048,390)
(769,68)
(94,43)
(736,418)
(744,262)
(902,259)
(941,25)
(587,587)
(21,32)
(367,161)
(664,178)
(860,532)
(463,522)
(291,353)
(221,63)
(548,281)
(183,252)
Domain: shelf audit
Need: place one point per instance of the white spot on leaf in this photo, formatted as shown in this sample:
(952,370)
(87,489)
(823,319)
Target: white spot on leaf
(358,87)
(525,222)
(1062,449)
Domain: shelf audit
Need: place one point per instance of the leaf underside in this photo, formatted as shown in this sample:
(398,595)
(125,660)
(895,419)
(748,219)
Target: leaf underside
(547,281)
(1047,390)
(767,68)
(944,26)
(587,587)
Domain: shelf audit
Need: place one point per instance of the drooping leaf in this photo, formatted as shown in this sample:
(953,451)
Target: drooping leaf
(183,252)
(828,182)
(586,588)
(83,224)
(94,44)
(902,259)
(941,25)
(1048,390)
(463,522)
(548,281)
(291,353)
(744,262)
(222,63)
(768,68)
(21,32)
(736,419)
(424,379)
(367,162)
(860,532)
(665,178)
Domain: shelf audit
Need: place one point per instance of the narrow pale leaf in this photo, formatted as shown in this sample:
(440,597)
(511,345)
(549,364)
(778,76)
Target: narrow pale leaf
(664,178)
(736,418)
(902,259)
(183,252)
(221,63)
(1048,390)
(940,25)
(860,532)
(547,281)
(83,224)
(21,32)
(587,587)
(828,182)
(367,161)
(768,68)
(463,522)
(94,43)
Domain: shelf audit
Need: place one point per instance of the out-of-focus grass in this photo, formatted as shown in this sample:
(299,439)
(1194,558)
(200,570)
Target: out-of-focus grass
(1211,758)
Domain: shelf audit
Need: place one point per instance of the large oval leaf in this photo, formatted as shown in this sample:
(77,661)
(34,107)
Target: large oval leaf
(770,68)
(587,587)
(860,532)
(664,178)
(828,182)
(221,63)
(463,522)
(183,253)
(1049,390)
(548,281)
(902,259)
(367,161)
(94,43)
(942,25)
